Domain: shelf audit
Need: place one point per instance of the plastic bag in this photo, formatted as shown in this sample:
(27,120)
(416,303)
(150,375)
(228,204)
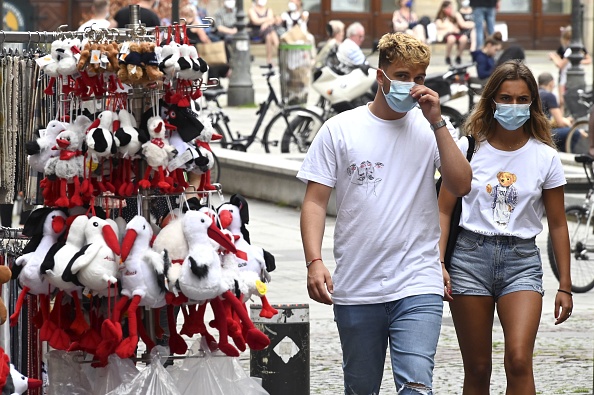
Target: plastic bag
(110,377)
(153,380)
(214,374)
(66,375)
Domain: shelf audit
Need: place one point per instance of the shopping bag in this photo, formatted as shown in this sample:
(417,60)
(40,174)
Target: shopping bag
(213,53)
(66,374)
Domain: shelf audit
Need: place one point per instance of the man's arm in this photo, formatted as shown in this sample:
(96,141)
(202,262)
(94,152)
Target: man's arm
(313,221)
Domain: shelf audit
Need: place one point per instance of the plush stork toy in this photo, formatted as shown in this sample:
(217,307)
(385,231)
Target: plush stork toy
(158,152)
(68,165)
(234,216)
(142,280)
(96,264)
(40,150)
(11,381)
(44,226)
(101,144)
(129,140)
(56,262)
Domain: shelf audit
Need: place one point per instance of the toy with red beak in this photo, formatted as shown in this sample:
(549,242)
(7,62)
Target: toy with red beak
(142,279)
(96,265)
(158,152)
(44,226)
(12,382)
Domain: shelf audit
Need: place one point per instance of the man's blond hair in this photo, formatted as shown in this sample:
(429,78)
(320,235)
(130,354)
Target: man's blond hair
(404,49)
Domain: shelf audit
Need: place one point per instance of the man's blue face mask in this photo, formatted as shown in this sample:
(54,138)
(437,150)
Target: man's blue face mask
(399,98)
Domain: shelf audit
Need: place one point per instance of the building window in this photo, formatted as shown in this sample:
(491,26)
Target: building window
(516,6)
(311,5)
(556,6)
(389,6)
(351,5)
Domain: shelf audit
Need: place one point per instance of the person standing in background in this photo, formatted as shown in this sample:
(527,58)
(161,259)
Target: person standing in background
(99,20)
(483,11)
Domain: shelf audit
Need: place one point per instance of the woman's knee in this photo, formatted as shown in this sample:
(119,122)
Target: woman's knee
(518,364)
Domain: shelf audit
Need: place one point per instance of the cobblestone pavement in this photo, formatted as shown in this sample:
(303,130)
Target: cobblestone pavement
(563,356)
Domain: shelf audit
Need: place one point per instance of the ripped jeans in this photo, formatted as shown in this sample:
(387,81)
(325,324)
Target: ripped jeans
(410,325)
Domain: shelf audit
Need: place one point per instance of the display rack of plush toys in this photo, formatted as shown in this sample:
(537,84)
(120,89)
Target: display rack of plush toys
(126,128)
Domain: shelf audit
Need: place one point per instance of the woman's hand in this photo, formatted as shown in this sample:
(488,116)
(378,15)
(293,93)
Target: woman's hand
(447,286)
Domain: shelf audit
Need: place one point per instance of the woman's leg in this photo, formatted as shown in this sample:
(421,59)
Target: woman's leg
(462,44)
(450,41)
(271,46)
(519,313)
(473,320)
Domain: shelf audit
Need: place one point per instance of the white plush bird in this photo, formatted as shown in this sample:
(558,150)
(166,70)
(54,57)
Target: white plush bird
(44,226)
(129,140)
(96,266)
(100,140)
(40,150)
(158,152)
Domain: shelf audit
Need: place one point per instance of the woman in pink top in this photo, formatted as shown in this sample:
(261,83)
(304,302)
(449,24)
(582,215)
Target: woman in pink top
(406,21)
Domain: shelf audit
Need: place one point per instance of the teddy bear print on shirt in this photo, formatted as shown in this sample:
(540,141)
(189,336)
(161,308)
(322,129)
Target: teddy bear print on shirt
(505,197)
(365,173)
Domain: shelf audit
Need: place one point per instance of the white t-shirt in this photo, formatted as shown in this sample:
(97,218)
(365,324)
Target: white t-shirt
(513,205)
(387,225)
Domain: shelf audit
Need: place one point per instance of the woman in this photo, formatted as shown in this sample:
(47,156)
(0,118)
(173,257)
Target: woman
(406,21)
(450,26)
(262,23)
(495,263)
(295,15)
(485,57)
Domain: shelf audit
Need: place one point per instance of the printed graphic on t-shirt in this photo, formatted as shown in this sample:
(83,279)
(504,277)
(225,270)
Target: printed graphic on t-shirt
(365,174)
(505,198)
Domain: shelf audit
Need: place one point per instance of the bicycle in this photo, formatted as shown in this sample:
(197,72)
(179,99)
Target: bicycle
(580,221)
(580,143)
(291,128)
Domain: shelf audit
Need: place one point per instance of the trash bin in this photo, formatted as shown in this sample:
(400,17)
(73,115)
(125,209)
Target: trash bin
(295,64)
(283,366)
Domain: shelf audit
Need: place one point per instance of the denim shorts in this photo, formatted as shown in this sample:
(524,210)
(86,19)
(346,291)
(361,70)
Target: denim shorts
(495,265)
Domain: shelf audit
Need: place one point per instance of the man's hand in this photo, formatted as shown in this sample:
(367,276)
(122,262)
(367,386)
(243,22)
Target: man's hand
(319,283)
(428,101)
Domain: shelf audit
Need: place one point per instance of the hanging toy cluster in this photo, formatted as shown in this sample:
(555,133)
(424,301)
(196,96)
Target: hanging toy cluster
(96,150)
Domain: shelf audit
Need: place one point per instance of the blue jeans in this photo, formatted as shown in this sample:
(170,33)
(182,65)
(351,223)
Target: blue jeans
(487,14)
(411,325)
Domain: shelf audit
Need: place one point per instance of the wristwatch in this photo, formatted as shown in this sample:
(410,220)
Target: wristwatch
(438,125)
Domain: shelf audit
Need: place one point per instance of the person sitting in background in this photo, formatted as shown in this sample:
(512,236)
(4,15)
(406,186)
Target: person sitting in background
(99,20)
(335,31)
(349,52)
(560,124)
(449,25)
(485,57)
(561,60)
(225,19)
(406,21)
(195,34)
(294,16)
(262,23)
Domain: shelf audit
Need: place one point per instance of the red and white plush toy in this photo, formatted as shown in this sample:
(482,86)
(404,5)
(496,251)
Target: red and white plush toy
(158,152)
(129,140)
(12,382)
(44,226)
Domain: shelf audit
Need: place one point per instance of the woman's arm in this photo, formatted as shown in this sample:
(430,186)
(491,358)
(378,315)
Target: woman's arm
(462,23)
(554,204)
(446,202)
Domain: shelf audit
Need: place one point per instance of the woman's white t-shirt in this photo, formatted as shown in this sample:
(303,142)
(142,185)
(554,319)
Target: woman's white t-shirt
(506,194)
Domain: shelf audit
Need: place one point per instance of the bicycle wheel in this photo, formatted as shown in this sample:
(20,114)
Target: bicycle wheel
(455,118)
(215,171)
(577,141)
(291,130)
(581,238)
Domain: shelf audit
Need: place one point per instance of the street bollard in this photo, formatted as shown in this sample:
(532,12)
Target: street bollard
(284,365)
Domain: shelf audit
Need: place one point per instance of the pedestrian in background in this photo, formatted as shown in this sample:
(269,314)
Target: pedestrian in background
(99,19)
(381,158)
(484,12)
(146,13)
(495,263)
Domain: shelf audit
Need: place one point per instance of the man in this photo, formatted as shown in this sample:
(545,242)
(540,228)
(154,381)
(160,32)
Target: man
(225,19)
(381,160)
(349,52)
(99,20)
(483,11)
(147,15)
(550,106)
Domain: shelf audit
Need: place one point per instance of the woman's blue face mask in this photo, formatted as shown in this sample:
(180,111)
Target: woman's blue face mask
(399,98)
(512,116)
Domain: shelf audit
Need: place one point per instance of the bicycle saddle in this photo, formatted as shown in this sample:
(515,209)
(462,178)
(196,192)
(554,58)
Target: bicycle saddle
(212,94)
